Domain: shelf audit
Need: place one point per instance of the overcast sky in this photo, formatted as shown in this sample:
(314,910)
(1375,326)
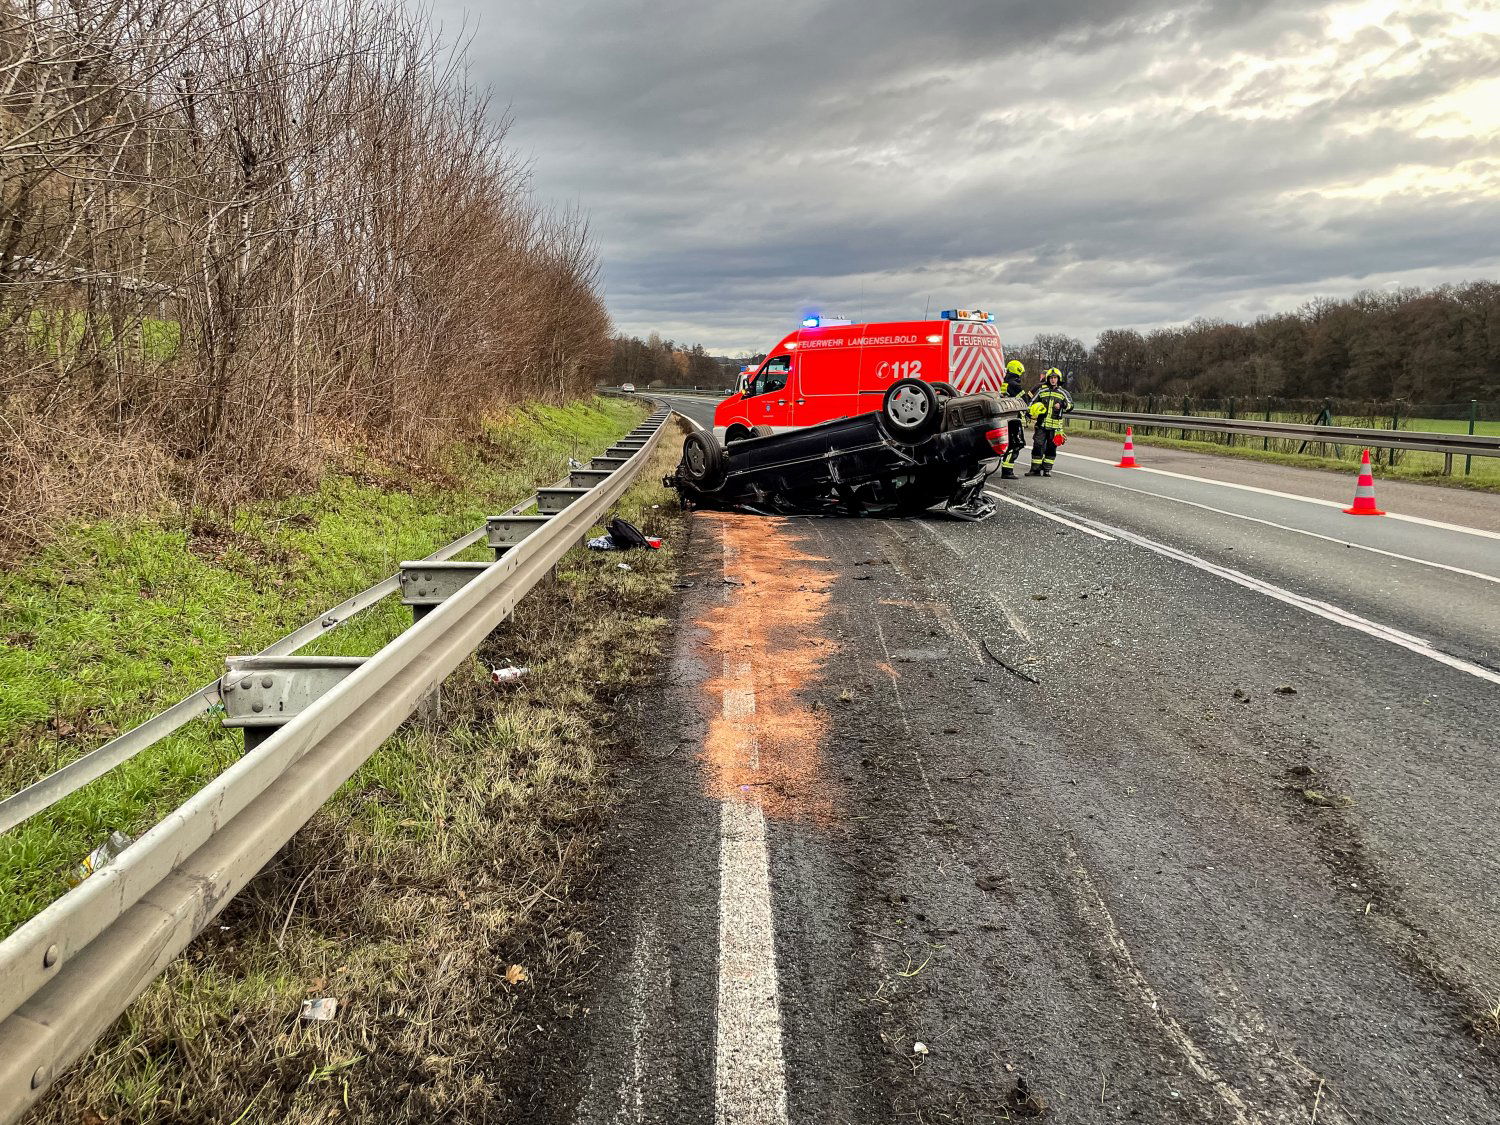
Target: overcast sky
(1073,165)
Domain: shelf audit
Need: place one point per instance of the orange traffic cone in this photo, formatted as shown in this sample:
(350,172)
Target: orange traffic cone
(1364,492)
(1127,459)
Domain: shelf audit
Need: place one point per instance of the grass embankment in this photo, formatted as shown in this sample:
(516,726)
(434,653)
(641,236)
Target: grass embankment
(432,897)
(1423,468)
(112,622)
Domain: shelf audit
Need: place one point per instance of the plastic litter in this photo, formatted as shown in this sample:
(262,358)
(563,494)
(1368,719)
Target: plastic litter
(507,675)
(919,1048)
(602,543)
(624,566)
(321,1008)
(102,856)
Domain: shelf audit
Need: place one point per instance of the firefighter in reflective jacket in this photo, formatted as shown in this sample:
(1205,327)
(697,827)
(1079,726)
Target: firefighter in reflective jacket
(1049,403)
(1015,371)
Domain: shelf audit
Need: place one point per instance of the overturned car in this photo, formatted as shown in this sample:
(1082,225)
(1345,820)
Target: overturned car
(925,446)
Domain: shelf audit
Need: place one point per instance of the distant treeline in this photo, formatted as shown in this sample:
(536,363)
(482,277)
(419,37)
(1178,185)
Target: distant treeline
(240,236)
(666,363)
(1439,346)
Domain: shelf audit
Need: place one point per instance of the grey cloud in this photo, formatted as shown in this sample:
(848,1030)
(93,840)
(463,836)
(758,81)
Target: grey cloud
(741,161)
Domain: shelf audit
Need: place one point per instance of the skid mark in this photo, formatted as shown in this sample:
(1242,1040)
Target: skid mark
(1266,1059)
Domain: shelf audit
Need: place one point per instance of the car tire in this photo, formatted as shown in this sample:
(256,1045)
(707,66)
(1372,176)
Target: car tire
(705,463)
(910,409)
(737,432)
(761,431)
(945,390)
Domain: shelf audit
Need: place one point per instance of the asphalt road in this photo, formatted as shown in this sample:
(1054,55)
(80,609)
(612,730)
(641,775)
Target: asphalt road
(1180,809)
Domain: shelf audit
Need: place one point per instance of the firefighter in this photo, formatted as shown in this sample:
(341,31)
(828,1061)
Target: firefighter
(1049,403)
(1015,371)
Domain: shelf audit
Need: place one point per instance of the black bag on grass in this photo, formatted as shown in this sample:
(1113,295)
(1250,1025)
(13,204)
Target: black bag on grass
(626,535)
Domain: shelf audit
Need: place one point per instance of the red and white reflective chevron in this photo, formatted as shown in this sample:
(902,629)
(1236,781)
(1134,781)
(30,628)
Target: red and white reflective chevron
(976,361)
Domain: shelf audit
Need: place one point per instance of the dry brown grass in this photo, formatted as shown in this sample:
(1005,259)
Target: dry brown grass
(238,232)
(455,854)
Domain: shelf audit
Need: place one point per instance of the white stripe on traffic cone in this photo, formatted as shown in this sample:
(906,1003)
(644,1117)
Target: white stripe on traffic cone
(1364,491)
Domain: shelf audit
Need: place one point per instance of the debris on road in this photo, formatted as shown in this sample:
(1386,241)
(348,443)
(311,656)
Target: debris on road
(1009,667)
(1286,689)
(102,856)
(321,1008)
(507,675)
(919,1048)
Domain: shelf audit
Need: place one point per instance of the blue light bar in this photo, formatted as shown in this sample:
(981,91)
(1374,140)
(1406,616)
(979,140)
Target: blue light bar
(809,322)
(967,314)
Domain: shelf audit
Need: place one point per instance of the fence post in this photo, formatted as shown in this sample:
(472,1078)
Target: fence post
(1265,442)
(1473,408)
(1150,404)
(1184,414)
(1229,438)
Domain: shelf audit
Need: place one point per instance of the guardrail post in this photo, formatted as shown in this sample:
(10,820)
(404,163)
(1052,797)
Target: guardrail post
(263,693)
(1229,438)
(1265,442)
(505,532)
(1185,413)
(427,585)
(1473,413)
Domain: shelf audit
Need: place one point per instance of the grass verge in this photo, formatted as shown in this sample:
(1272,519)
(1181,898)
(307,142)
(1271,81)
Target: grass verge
(112,622)
(432,897)
(1486,476)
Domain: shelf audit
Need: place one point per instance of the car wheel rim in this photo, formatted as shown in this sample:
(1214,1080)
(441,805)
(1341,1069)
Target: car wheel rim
(697,461)
(908,408)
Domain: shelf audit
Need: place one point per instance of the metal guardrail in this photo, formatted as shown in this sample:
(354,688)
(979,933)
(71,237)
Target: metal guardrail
(69,972)
(1428,441)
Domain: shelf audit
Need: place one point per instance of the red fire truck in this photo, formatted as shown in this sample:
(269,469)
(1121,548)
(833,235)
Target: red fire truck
(831,369)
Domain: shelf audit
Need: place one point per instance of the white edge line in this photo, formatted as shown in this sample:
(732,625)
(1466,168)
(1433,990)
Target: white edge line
(1051,516)
(1289,496)
(1325,610)
(749,1063)
(1284,527)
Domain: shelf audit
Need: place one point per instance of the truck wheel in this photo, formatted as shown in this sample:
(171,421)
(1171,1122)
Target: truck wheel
(736,432)
(910,409)
(761,431)
(945,390)
(705,462)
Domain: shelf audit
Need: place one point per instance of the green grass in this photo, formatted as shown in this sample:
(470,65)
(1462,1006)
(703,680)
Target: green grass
(1425,468)
(459,850)
(112,622)
(58,333)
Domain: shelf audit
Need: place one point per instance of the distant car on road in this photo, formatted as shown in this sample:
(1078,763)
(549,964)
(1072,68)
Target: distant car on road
(628,388)
(830,369)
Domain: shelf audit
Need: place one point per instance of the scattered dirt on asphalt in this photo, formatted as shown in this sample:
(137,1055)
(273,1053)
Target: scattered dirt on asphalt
(768,631)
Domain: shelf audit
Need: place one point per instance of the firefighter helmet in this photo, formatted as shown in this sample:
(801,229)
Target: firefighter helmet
(1016,367)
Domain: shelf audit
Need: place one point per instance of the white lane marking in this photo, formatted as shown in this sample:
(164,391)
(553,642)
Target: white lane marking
(1050,515)
(1284,527)
(1289,496)
(749,1071)
(1321,609)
